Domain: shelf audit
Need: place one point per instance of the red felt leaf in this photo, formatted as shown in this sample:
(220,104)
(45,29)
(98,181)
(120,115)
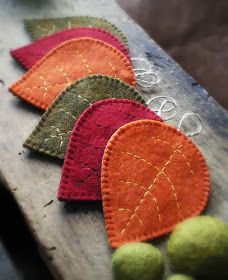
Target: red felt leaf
(82,165)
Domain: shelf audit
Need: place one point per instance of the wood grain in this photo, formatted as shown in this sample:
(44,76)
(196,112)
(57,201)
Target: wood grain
(72,237)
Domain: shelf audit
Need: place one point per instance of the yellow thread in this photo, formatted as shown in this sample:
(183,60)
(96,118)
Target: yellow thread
(125,209)
(158,209)
(45,86)
(158,139)
(143,198)
(84,61)
(68,113)
(174,191)
(52,126)
(186,161)
(133,183)
(84,99)
(64,74)
(153,198)
(150,164)
(113,68)
(46,31)
(48,86)
(142,159)
(59,135)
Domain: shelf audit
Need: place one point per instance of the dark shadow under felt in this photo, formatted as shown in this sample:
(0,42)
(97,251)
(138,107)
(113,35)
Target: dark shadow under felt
(35,156)
(18,240)
(20,104)
(83,206)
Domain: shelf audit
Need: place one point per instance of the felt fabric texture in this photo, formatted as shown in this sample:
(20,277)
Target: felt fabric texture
(153,177)
(137,261)
(199,247)
(52,133)
(82,164)
(43,27)
(30,54)
(67,63)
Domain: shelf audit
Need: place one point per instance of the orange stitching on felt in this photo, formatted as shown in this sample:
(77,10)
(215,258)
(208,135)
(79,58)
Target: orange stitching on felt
(154,181)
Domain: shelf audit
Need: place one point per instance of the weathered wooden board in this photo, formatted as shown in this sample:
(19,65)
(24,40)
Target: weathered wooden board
(72,238)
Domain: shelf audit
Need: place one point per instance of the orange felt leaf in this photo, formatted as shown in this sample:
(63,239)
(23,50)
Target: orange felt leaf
(68,62)
(153,177)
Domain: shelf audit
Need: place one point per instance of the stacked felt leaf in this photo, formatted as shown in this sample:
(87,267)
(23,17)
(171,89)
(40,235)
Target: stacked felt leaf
(148,175)
(32,53)
(67,63)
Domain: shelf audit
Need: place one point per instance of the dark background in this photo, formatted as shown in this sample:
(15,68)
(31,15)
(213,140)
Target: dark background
(194,33)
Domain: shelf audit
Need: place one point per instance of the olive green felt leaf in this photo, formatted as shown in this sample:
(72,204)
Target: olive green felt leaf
(43,27)
(52,133)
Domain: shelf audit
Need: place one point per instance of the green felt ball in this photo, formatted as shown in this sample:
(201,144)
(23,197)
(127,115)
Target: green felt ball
(137,261)
(199,247)
(180,277)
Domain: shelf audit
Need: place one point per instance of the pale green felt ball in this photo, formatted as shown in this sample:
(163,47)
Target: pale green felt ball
(137,261)
(199,247)
(179,277)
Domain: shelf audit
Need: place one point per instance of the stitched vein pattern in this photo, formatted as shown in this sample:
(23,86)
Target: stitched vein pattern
(174,147)
(93,170)
(166,176)
(48,87)
(68,113)
(125,209)
(82,181)
(152,184)
(84,61)
(45,86)
(129,183)
(46,31)
(113,68)
(89,145)
(58,135)
(142,159)
(62,71)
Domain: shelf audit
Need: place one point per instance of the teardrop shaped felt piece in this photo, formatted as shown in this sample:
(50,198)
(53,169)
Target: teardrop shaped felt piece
(82,164)
(32,53)
(153,177)
(67,63)
(52,133)
(43,27)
